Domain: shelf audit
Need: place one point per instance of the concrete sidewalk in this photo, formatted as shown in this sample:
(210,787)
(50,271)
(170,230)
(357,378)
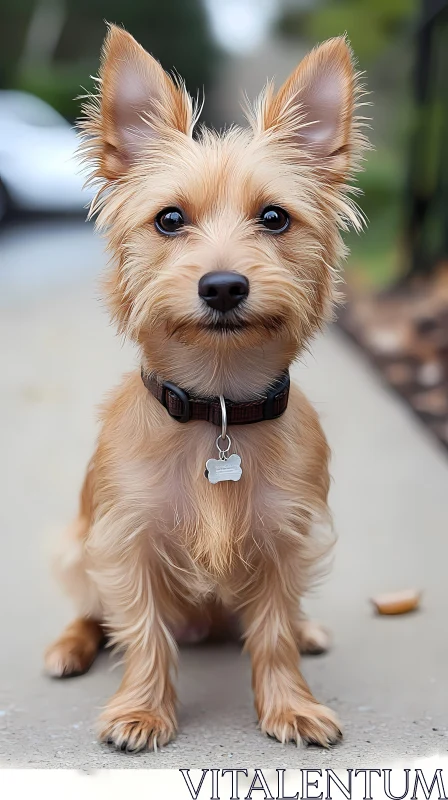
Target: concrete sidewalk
(386,677)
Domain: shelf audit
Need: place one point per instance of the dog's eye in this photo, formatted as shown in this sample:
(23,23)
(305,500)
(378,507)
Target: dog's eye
(274,219)
(169,220)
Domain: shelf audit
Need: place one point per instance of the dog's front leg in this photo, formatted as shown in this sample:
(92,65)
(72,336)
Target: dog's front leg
(285,705)
(141,715)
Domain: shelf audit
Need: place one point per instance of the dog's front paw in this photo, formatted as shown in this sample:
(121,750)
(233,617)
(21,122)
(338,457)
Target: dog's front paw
(133,731)
(310,723)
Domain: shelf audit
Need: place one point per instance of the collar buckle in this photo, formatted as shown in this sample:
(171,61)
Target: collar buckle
(183,398)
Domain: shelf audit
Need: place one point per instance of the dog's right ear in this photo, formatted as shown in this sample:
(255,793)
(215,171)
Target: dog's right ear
(137,101)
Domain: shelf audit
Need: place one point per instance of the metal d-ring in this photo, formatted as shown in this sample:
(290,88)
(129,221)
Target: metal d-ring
(223,418)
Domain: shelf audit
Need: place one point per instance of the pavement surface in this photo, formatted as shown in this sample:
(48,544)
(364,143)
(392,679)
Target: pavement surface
(385,677)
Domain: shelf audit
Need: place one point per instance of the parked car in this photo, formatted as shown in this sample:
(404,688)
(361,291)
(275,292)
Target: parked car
(38,168)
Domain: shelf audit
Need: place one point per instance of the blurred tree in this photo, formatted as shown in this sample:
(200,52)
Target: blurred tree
(55,44)
(14,19)
(426,229)
(371,24)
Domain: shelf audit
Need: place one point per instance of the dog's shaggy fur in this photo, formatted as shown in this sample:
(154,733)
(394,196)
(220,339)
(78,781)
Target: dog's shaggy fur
(156,547)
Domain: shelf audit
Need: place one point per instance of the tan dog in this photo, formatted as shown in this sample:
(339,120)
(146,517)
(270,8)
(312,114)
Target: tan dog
(225,250)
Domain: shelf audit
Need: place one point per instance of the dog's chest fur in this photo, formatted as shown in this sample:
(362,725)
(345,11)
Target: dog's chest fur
(215,528)
(170,486)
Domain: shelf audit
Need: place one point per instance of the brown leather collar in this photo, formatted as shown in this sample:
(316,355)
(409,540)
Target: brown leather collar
(184,407)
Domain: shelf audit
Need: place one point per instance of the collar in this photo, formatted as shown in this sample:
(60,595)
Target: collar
(183,407)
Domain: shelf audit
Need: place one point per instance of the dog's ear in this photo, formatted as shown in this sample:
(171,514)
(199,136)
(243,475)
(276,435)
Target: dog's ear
(315,107)
(137,100)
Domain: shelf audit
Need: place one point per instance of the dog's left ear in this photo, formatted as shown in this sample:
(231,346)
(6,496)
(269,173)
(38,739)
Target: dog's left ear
(314,108)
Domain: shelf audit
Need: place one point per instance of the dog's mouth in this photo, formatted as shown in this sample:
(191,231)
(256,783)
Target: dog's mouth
(226,325)
(233,325)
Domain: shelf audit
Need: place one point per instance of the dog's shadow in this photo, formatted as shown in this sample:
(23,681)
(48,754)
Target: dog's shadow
(214,683)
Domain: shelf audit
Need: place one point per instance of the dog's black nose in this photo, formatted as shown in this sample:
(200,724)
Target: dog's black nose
(223,290)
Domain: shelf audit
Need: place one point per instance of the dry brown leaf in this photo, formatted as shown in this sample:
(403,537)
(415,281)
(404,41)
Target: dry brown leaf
(397,602)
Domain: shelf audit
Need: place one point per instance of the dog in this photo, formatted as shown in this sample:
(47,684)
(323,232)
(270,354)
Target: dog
(208,487)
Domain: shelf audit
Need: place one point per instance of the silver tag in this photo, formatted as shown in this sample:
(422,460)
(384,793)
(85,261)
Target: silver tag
(223,469)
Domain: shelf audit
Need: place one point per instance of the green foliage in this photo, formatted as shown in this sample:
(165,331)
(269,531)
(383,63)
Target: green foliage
(375,253)
(176,33)
(14,19)
(371,24)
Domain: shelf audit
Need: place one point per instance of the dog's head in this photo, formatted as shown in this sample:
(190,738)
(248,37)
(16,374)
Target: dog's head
(226,242)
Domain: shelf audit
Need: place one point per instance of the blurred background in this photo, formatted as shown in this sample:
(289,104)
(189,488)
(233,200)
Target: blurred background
(58,357)
(49,48)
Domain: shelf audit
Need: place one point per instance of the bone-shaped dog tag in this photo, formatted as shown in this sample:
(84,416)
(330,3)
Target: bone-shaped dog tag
(223,469)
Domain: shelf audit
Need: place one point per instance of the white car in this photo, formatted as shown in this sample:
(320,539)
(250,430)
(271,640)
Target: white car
(38,167)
